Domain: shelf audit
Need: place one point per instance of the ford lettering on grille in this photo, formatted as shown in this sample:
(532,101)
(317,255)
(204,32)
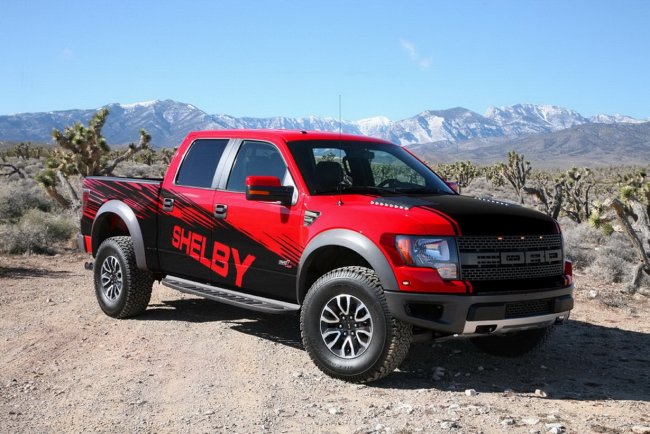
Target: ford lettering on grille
(511,258)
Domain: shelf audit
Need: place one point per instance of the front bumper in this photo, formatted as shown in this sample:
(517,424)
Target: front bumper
(480,314)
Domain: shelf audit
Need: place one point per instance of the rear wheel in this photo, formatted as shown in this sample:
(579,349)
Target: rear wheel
(122,289)
(514,344)
(347,329)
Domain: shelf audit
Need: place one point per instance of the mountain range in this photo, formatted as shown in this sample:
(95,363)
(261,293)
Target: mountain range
(456,131)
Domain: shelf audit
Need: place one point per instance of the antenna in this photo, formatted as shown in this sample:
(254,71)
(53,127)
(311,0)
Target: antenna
(340,122)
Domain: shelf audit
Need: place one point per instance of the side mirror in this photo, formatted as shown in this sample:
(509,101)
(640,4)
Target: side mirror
(454,186)
(268,189)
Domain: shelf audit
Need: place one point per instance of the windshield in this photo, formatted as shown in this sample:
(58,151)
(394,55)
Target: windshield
(332,166)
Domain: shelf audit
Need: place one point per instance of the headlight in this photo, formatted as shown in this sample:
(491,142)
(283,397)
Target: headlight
(433,252)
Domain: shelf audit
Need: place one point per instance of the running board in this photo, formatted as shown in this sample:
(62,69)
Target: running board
(228,296)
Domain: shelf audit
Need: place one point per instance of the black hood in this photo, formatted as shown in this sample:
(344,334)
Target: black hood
(479,216)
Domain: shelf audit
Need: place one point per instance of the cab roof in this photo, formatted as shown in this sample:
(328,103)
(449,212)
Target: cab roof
(285,135)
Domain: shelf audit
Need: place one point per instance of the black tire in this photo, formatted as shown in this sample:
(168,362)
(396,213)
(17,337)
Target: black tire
(386,339)
(514,344)
(122,289)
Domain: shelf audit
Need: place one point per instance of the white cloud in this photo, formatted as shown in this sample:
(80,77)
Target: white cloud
(423,62)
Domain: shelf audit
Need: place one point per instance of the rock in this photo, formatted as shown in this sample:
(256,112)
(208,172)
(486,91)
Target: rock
(555,428)
(449,424)
(438,373)
(541,393)
(334,410)
(507,422)
(208,413)
(530,420)
(404,407)
(638,429)
(470,392)
(592,293)
(480,368)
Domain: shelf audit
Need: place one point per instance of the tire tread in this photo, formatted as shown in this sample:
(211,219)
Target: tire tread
(137,283)
(399,335)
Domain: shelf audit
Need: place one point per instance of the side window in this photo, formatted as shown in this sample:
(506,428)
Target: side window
(200,163)
(256,159)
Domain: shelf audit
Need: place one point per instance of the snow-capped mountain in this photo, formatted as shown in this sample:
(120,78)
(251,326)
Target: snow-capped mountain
(616,119)
(454,124)
(521,119)
(374,127)
(169,121)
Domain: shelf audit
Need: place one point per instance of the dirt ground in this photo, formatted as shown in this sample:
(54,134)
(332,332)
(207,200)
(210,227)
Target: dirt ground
(193,365)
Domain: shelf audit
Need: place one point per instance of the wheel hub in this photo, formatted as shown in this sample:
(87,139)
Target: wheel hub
(346,326)
(111,278)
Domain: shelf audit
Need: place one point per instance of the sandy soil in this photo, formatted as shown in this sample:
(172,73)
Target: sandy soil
(193,365)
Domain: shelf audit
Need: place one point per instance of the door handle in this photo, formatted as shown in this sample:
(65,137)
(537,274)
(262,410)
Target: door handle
(168,204)
(220,211)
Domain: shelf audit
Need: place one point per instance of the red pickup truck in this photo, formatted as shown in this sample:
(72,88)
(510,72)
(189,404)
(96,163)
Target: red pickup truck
(355,234)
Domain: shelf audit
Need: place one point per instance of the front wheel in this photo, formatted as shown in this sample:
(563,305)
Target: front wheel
(514,344)
(122,289)
(347,329)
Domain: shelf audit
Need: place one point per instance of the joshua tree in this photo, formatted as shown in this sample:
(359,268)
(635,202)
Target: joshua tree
(83,152)
(462,172)
(515,172)
(630,210)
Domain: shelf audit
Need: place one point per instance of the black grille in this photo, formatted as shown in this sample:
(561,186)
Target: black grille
(510,257)
(530,242)
(514,272)
(530,308)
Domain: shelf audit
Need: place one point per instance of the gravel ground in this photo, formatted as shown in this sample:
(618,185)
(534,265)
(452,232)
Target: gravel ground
(193,365)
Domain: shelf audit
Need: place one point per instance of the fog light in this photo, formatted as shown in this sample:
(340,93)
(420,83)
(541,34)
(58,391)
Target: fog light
(447,271)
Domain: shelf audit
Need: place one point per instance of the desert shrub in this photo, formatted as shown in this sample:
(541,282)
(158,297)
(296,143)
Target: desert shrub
(17,197)
(608,269)
(37,232)
(581,243)
(139,170)
(609,259)
(482,187)
(614,261)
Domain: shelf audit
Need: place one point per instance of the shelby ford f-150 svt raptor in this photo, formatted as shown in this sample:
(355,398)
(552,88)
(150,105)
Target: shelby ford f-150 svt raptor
(355,234)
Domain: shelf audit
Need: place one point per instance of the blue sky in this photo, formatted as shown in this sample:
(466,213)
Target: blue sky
(293,58)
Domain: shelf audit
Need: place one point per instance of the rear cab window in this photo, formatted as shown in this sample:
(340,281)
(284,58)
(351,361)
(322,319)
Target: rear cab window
(200,163)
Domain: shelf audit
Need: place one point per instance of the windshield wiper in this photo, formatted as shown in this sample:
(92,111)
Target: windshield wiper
(355,189)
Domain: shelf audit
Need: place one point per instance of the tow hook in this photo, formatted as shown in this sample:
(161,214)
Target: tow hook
(88,266)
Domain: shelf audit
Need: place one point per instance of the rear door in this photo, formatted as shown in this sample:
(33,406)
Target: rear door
(186,220)
(258,243)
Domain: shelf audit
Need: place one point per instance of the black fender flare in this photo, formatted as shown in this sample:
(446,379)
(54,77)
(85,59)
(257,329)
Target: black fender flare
(354,241)
(124,212)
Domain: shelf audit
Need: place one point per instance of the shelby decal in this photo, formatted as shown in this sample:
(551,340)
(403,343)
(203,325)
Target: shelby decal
(194,246)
